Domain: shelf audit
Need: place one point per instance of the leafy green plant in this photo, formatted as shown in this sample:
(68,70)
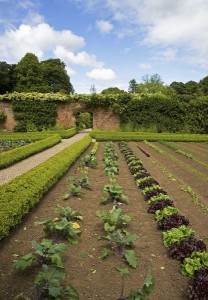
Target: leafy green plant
(115,192)
(89,161)
(154,147)
(141,293)
(49,285)
(68,213)
(118,241)
(113,219)
(194,263)
(74,190)
(165,212)
(158,197)
(46,252)
(174,148)
(61,229)
(83,181)
(175,235)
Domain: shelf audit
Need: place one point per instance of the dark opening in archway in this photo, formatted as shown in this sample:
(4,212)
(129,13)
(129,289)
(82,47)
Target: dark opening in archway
(84,120)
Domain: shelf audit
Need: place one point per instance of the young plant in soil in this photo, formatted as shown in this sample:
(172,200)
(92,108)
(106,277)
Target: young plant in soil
(59,229)
(113,219)
(175,235)
(49,286)
(198,285)
(185,248)
(82,182)
(115,193)
(173,221)
(141,293)
(68,213)
(120,242)
(46,252)
(194,263)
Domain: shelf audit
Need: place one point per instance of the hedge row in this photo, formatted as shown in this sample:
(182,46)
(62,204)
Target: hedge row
(64,133)
(39,135)
(12,156)
(141,136)
(25,191)
(33,136)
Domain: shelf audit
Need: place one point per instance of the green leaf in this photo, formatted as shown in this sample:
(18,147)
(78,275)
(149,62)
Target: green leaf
(123,272)
(65,196)
(146,289)
(108,227)
(57,261)
(70,293)
(131,258)
(104,253)
(24,261)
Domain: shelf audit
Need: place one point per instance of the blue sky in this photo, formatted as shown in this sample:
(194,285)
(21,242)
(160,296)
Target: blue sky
(106,43)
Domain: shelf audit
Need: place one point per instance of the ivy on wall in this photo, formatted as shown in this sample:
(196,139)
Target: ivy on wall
(151,112)
(34,115)
(2,117)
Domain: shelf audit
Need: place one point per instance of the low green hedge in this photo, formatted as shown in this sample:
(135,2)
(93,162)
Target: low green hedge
(39,135)
(33,136)
(64,133)
(25,191)
(12,156)
(141,136)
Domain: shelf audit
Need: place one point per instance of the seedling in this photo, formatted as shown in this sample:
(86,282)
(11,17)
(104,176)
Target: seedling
(119,241)
(113,219)
(141,293)
(115,193)
(45,253)
(59,229)
(68,213)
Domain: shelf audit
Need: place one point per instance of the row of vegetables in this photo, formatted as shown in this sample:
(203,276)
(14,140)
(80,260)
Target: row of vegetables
(119,240)
(46,255)
(178,238)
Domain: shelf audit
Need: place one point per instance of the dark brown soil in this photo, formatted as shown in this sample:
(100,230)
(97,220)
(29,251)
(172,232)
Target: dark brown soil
(93,278)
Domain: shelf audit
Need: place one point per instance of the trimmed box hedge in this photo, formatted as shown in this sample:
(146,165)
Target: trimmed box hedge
(12,156)
(141,136)
(22,193)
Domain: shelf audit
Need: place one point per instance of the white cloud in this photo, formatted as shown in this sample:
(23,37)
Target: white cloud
(164,24)
(33,19)
(145,66)
(25,4)
(15,43)
(104,26)
(81,58)
(101,74)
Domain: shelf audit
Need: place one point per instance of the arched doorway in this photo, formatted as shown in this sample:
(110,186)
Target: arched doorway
(84,120)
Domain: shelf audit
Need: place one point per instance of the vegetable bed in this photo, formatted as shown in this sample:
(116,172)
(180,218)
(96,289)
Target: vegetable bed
(92,277)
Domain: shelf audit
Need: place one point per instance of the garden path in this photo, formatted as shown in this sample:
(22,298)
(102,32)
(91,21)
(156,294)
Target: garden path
(25,165)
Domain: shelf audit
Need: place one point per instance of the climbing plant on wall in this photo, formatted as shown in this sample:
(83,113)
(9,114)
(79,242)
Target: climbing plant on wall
(34,114)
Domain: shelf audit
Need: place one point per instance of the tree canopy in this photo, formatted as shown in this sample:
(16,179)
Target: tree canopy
(30,75)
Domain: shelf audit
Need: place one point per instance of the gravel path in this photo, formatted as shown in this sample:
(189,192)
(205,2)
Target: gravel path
(27,164)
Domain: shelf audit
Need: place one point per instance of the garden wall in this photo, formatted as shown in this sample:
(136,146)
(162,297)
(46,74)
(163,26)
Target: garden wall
(103,118)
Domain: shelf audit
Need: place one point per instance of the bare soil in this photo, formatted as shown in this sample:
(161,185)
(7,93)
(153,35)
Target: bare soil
(93,278)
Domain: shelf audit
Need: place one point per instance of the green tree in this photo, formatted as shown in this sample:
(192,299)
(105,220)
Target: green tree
(191,87)
(84,120)
(93,89)
(112,90)
(152,84)
(203,86)
(179,87)
(6,77)
(28,74)
(133,87)
(55,77)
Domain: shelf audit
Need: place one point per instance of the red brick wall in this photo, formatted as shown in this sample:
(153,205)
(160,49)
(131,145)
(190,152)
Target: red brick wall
(103,118)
